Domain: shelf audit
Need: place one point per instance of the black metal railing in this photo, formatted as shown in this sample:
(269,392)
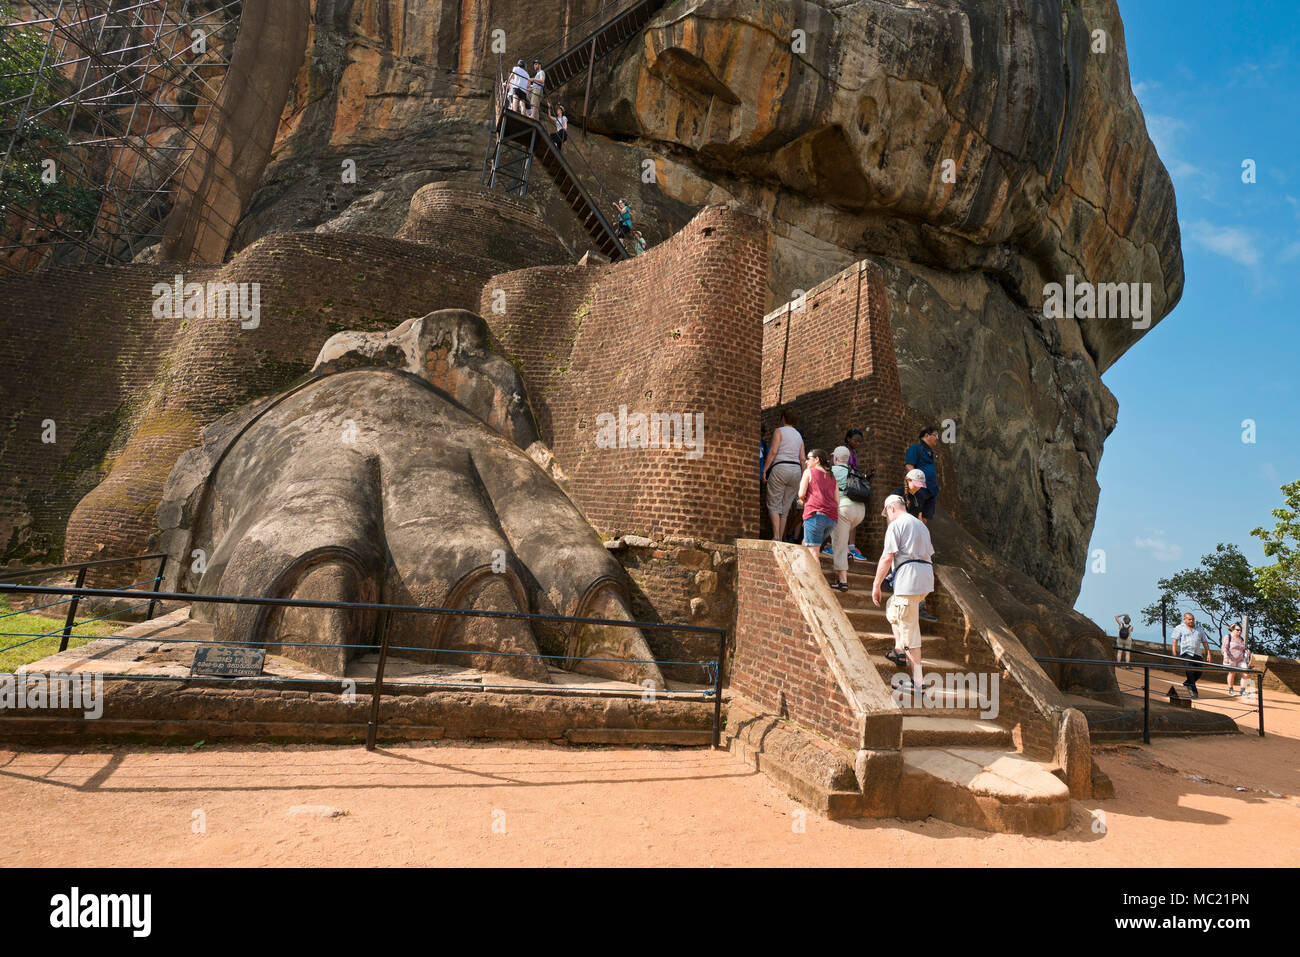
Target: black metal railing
(712,668)
(81,568)
(1168,663)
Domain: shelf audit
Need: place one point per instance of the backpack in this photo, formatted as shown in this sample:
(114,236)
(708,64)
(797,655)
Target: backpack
(857,487)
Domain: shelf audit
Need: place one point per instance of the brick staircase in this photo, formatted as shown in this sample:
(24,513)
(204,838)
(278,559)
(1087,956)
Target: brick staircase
(957,766)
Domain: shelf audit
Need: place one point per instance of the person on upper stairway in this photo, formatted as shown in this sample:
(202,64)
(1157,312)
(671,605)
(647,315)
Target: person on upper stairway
(561,133)
(519,80)
(624,227)
(536,86)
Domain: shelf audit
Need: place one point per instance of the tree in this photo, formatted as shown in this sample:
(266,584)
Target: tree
(31,89)
(1282,578)
(1223,589)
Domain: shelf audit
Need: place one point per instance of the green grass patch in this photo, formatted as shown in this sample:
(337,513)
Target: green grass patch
(27,625)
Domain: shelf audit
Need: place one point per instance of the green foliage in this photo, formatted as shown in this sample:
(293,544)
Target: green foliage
(1281,580)
(1222,589)
(18,628)
(30,90)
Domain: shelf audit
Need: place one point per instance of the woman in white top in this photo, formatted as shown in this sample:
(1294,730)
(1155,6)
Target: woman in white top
(519,81)
(851,514)
(561,128)
(782,470)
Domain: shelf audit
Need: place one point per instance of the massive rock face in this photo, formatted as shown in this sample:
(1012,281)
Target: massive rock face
(974,150)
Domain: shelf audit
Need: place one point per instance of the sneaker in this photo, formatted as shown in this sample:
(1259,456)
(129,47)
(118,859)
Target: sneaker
(856,555)
(1233,693)
(828,551)
(924,614)
(1194,692)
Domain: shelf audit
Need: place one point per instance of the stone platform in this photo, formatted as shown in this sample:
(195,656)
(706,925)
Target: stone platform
(149,693)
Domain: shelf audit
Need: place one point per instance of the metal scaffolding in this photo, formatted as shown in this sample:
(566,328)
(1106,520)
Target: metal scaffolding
(101,106)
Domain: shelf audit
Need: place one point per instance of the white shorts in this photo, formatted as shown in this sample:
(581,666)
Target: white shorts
(903,612)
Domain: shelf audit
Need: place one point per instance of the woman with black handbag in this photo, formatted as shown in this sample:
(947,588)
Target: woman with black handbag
(851,514)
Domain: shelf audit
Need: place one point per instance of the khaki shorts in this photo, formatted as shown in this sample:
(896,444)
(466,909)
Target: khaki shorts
(783,487)
(904,613)
(1124,643)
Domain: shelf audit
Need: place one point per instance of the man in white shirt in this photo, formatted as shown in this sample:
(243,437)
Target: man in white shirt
(535,87)
(1191,644)
(907,551)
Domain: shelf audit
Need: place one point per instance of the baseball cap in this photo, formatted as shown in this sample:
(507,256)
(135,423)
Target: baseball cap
(892,500)
(841,452)
(917,476)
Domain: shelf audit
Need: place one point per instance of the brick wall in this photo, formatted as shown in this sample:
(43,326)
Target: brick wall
(681,581)
(832,364)
(677,330)
(451,217)
(778,663)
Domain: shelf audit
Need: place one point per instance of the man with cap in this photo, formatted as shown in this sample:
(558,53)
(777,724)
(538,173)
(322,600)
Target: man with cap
(535,87)
(907,552)
(919,503)
(916,497)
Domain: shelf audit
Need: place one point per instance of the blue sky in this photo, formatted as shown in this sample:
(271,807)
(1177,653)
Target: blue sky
(1218,83)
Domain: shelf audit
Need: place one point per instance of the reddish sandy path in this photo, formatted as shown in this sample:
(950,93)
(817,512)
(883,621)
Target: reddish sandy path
(434,804)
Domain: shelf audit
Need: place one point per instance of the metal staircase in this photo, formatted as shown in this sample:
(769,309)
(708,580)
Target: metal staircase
(517,140)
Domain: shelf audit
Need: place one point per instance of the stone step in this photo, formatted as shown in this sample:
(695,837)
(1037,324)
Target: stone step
(940,703)
(878,642)
(985,788)
(873,619)
(938,732)
(936,665)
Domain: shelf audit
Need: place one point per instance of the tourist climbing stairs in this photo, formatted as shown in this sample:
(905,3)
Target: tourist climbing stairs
(957,765)
(604,31)
(518,139)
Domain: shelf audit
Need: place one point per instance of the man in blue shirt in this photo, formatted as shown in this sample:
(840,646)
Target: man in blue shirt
(920,455)
(1190,644)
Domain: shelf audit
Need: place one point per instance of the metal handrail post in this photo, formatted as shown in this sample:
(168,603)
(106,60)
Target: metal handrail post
(157,587)
(372,730)
(1146,705)
(72,612)
(1259,697)
(717,689)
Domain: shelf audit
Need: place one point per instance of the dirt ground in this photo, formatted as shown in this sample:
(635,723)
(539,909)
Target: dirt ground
(1210,801)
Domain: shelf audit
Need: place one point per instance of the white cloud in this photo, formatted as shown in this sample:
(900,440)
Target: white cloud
(1166,133)
(1160,550)
(1227,241)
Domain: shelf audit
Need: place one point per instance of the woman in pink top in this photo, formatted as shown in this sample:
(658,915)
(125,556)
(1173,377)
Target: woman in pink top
(819,496)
